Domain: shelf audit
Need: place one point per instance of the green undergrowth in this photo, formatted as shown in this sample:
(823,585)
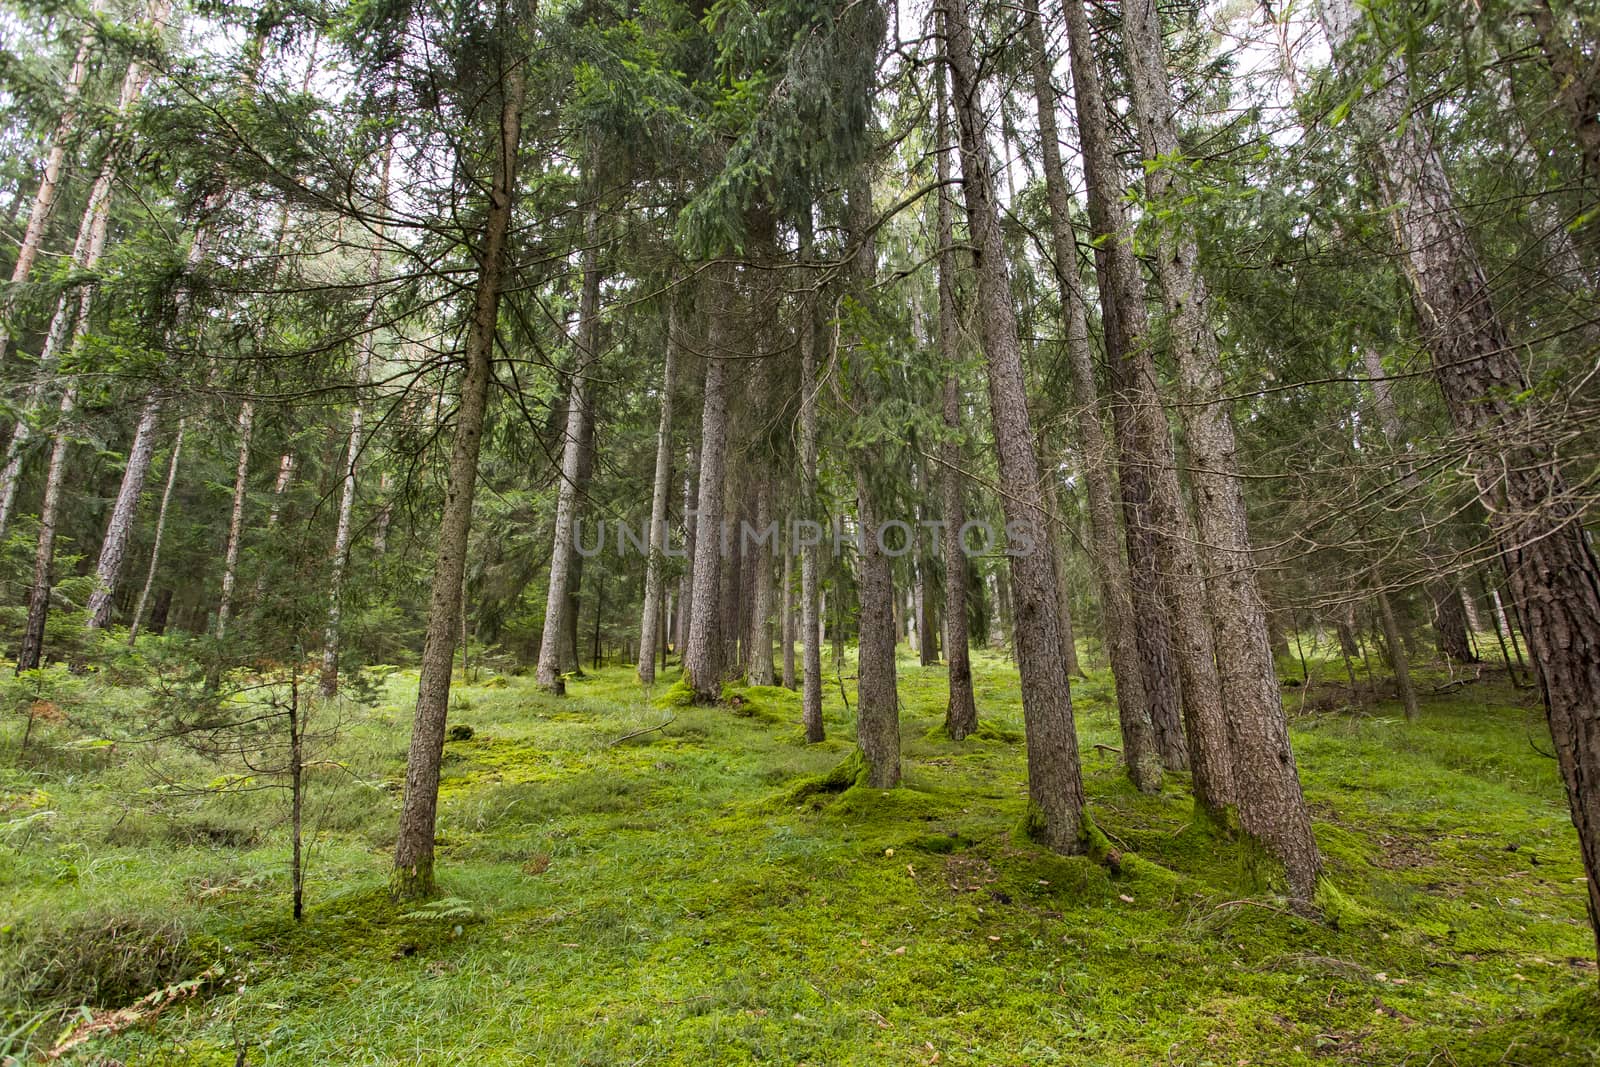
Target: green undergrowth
(627,877)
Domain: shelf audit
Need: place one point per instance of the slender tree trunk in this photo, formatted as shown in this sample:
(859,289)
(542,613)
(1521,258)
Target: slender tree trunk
(44,555)
(1272,807)
(786,613)
(160,533)
(702,656)
(877,692)
(653,580)
(50,178)
(811,614)
(413,858)
(961,712)
(1144,749)
(241,485)
(1161,537)
(1055,783)
(560,595)
(119,529)
(347,499)
(380,532)
(758,657)
(1553,572)
(1396,649)
(691,492)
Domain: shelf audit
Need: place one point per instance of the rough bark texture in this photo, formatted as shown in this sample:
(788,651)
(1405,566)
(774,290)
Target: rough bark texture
(648,617)
(758,561)
(559,610)
(1272,808)
(786,616)
(160,533)
(691,493)
(1055,783)
(413,856)
(1450,622)
(1554,575)
(810,607)
(1141,749)
(702,654)
(119,527)
(44,198)
(1396,651)
(877,694)
(1148,464)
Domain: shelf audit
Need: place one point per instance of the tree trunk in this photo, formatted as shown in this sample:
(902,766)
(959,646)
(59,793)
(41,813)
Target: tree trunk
(691,492)
(1161,537)
(961,711)
(702,654)
(1450,622)
(758,560)
(786,613)
(1272,807)
(1396,649)
(560,611)
(653,581)
(1055,783)
(877,693)
(160,533)
(1579,95)
(241,485)
(811,616)
(119,529)
(50,178)
(44,555)
(1553,572)
(347,498)
(413,857)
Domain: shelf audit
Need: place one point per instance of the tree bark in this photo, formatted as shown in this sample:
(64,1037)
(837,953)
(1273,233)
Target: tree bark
(1272,808)
(413,858)
(160,533)
(1396,649)
(560,611)
(1161,537)
(691,492)
(1554,575)
(653,580)
(1578,94)
(329,681)
(702,655)
(810,608)
(1055,783)
(119,528)
(786,613)
(50,178)
(961,711)
(758,559)
(877,692)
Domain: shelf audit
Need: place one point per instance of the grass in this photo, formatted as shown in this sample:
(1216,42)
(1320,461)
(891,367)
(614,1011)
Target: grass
(675,898)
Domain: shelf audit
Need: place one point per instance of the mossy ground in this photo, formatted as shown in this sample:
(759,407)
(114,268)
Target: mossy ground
(674,899)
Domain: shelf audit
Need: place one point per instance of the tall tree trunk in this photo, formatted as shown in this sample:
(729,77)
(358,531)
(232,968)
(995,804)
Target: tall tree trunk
(961,712)
(560,610)
(160,532)
(241,485)
(329,681)
(1055,782)
(786,612)
(811,618)
(691,492)
(1161,537)
(653,580)
(1272,808)
(702,655)
(413,856)
(1554,575)
(50,177)
(758,560)
(1450,622)
(119,528)
(44,555)
(1397,654)
(877,692)
(1142,752)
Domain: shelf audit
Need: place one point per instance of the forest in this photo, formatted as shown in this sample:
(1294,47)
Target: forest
(800,531)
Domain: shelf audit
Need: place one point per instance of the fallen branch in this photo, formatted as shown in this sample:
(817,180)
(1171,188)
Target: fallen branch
(640,733)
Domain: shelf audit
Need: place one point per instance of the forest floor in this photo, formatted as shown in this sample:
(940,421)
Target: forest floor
(676,898)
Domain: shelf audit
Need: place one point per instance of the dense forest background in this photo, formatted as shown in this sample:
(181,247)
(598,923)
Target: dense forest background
(362,354)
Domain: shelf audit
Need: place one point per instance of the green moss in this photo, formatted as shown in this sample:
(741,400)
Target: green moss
(680,694)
